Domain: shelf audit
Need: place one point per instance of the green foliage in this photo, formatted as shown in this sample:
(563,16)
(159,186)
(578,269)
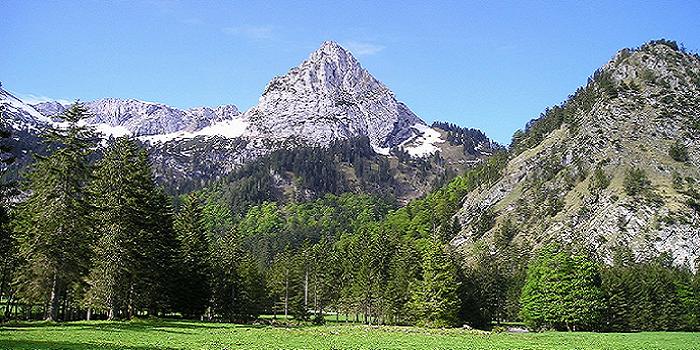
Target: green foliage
(600,85)
(8,239)
(678,152)
(435,302)
(650,296)
(491,281)
(54,218)
(563,291)
(599,180)
(135,249)
(193,289)
(308,173)
(469,139)
(636,182)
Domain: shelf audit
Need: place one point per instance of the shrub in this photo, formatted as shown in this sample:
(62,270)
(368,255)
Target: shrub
(636,182)
(679,152)
(599,180)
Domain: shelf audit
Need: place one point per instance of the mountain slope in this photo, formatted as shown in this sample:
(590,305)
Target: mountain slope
(599,171)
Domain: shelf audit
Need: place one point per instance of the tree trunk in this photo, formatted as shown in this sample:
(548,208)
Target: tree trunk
(2,284)
(306,290)
(286,298)
(53,300)
(89,313)
(130,307)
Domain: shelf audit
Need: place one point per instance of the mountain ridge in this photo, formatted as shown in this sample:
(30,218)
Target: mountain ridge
(327,98)
(598,171)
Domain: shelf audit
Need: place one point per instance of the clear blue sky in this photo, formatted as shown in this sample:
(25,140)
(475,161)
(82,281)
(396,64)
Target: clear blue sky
(488,64)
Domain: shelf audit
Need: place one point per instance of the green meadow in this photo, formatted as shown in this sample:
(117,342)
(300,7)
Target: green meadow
(199,335)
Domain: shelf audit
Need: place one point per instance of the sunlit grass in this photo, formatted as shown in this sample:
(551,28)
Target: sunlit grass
(197,335)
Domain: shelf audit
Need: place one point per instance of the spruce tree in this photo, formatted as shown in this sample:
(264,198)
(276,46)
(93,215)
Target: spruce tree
(118,220)
(134,253)
(226,257)
(193,290)
(435,301)
(54,226)
(8,241)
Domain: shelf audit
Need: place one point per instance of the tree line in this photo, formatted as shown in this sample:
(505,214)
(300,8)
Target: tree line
(98,239)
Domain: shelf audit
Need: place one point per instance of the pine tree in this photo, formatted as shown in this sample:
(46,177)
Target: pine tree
(404,271)
(194,290)
(435,301)
(251,299)
(116,198)
(54,224)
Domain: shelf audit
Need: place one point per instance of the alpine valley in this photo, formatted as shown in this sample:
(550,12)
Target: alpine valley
(330,196)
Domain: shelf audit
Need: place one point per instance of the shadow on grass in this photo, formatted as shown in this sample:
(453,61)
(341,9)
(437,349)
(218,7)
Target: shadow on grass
(56,345)
(156,325)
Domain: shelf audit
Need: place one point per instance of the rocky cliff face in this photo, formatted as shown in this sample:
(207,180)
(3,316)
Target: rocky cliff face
(615,167)
(330,97)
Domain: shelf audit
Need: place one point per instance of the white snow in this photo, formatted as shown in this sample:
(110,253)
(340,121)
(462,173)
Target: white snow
(18,105)
(114,131)
(383,151)
(424,143)
(228,128)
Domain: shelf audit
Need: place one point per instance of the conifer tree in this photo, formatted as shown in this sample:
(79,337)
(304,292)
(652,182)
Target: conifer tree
(134,253)
(435,301)
(8,243)
(193,288)
(251,299)
(54,224)
(226,256)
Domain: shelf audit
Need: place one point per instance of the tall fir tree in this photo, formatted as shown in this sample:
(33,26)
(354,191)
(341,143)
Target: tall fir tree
(55,229)
(194,287)
(435,301)
(8,241)
(134,253)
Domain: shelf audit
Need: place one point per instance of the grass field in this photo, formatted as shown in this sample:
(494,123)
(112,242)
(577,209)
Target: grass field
(195,335)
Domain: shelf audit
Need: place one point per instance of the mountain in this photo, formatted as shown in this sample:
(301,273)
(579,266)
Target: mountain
(328,99)
(18,115)
(614,169)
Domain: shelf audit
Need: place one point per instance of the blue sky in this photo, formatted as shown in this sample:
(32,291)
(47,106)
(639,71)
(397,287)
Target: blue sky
(492,65)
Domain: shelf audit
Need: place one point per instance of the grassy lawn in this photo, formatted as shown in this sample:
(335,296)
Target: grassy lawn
(195,335)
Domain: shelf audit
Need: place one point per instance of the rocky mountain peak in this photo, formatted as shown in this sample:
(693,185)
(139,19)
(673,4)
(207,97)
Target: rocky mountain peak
(330,97)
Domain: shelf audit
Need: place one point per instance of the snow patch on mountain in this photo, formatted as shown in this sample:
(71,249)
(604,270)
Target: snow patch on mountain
(424,143)
(111,131)
(19,115)
(227,129)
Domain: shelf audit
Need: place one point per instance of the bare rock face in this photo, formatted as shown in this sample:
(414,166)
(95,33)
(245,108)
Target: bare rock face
(49,108)
(633,111)
(330,97)
(141,118)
